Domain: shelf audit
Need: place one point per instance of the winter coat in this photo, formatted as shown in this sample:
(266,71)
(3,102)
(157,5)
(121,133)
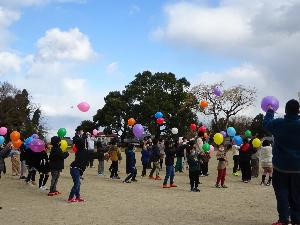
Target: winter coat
(81,156)
(194,162)
(145,156)
(4,153)
(131,161)
(115,153)
(245,152)
(155,156)
(57,158)
(266,156)
(170,156)
(44,163)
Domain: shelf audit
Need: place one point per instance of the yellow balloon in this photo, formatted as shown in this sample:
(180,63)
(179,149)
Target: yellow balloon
(218,138)
(63,145)
(256,143)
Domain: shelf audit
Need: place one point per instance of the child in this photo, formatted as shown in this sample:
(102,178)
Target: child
(100,156)
(169,161)
(145,158)
(131,161)
(180,156)
(15,161)
(194,160)
(32,162)
(205,156)
(78,166)
(155,156)
(266,162)
(56,164)
(115,157)
(245,161)
(44,169)
(221,157)
(4,152)
(236,160)
(161,147)
(23,156)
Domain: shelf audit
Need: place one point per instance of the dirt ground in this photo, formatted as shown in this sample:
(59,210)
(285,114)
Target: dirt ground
(145,202)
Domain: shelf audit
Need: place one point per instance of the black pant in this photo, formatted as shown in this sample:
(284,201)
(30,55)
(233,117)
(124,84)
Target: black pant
(31,174)
(246,170)
(43,179)
(236,161)
(194,179)
(161,162)
(91,158)
(287,190)
(132,174)
(144,170)
(204,168)
(114,169)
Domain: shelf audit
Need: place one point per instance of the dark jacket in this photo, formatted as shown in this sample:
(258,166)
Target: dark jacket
(33,158)
(145,156)
(23,153)
(180,152)
(57,158)
(155,156)
(44,163)
(170,156)
(101,150)
(286,148)
(81,156)
(4,152)
(130,160)
(194,162)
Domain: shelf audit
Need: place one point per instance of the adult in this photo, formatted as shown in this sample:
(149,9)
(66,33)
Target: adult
(91,148)
(286,161)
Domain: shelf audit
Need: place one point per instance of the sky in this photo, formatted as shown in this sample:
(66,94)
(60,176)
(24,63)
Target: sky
(68,51)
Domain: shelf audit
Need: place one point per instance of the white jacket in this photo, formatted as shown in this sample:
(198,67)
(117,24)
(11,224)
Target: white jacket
(199,144)
(235,150)
(266,155)
(90,143)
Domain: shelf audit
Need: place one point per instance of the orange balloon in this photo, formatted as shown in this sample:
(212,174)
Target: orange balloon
(17,144)
(15,136)
(131,122)
(203,104)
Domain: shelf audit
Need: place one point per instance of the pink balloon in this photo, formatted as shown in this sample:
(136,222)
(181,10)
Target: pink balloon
(3,131)
(83,106)
(95,132)
(212,149)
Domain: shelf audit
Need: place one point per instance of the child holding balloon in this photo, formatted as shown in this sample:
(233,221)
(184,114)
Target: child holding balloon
(221,157)
(15,161)
(4,152)
(266,162)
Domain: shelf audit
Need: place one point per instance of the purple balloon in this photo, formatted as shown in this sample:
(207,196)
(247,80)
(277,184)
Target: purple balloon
(138,130)
(37,145)
(224,133)
(217,91)
(269,100)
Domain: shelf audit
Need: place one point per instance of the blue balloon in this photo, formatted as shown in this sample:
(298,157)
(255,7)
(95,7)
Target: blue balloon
(27,142)
(238,140)
(231,131)
(1,140)
(159,115)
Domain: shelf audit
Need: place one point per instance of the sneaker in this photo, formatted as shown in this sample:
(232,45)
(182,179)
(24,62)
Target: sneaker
(79,200)
(206,175)
(100,174)
(117,177)
(157,178)
(71,200)
(268,184)
(245,181)
(224,186)
(51,193)
(166,186)
(173,185)
(43,188)
(202,175)
(196,190)
(217,186)
(126,182)
(57,193)
(151,178)
(192,189)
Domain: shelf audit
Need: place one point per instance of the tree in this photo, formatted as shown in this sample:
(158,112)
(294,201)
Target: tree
(232,101)
(88,126)
(257,126)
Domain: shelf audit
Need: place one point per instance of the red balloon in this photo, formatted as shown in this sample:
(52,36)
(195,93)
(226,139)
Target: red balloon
(74,148)
(202,129)
(193,127)
(160,121)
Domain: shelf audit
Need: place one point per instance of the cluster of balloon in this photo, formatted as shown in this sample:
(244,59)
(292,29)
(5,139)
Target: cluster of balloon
(64,145)
(138,130)
(95,132)
(224,133)
(237,140)
(193,127)
(269,101)
(27,142)
(15,138)
(218,138)
(203,104)
(3,132)
(231,132)
(174,130)
(256,143)
(159,118)
(202,129)
(248,134)
(37,145)
(217,91)
(61,132)
(131,122)
(83,106)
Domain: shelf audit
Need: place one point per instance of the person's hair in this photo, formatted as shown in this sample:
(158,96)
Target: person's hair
(266,143)
(79,128)
(245,141)
(292,107)
(200,134)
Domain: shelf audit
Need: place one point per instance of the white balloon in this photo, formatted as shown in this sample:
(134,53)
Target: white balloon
(174,130)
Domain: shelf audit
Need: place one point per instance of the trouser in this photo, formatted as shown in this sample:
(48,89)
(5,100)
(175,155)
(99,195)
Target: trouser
(287,190)
(101,167)
(155,167)
(246,170)
(236,163)
(178,167)
(194,179)
(131,175)
(91,158)
(23,168)
(144,170)
(114,169)
(221,176)
(170,173)
(15,165)
(204,168)
(54,179)
(161,162)
(43,179)
(254,167)
(31,174)
(75,191)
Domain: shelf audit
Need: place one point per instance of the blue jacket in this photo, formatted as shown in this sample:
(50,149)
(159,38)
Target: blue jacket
(286,149)
(145,156)
(131,159)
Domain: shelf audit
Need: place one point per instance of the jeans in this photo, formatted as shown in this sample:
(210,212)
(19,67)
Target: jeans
(132,174)
(221,176)
(170,173)
(101,167)
(75,191)
(194,179)
(246,170)
(114,169)
(54,179)
(236,163)
(254,167)
(144,170)
(155,168)
(287,190)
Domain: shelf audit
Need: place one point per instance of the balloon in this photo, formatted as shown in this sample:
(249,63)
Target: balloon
(74,148)
(218,138)
(62,132)
(269,100)
(231,132)
(203,104)
(1,140)
(138,130)
(160,121)
(224,133)
(131,122)
(211,149)
(3,131)
(83,106)
(248,133)
(202,129)
(205,135)
(217,91)
(256,143)
(237,140)
(95,132)
(27,142)
(174,130)
(17,144)
(206,147)
(15,135)
(35,136)
(193,127)
(37,145)
(159,115)
(63,145)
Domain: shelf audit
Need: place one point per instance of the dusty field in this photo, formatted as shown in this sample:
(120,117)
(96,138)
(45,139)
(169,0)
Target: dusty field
(112,202)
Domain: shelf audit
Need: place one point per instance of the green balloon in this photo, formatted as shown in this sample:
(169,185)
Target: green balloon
(62,132)
(206,147)
(248,133)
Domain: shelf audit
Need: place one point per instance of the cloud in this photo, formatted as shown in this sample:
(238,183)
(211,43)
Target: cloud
(64,45)
(134,9)
(112,68)
(9,63)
